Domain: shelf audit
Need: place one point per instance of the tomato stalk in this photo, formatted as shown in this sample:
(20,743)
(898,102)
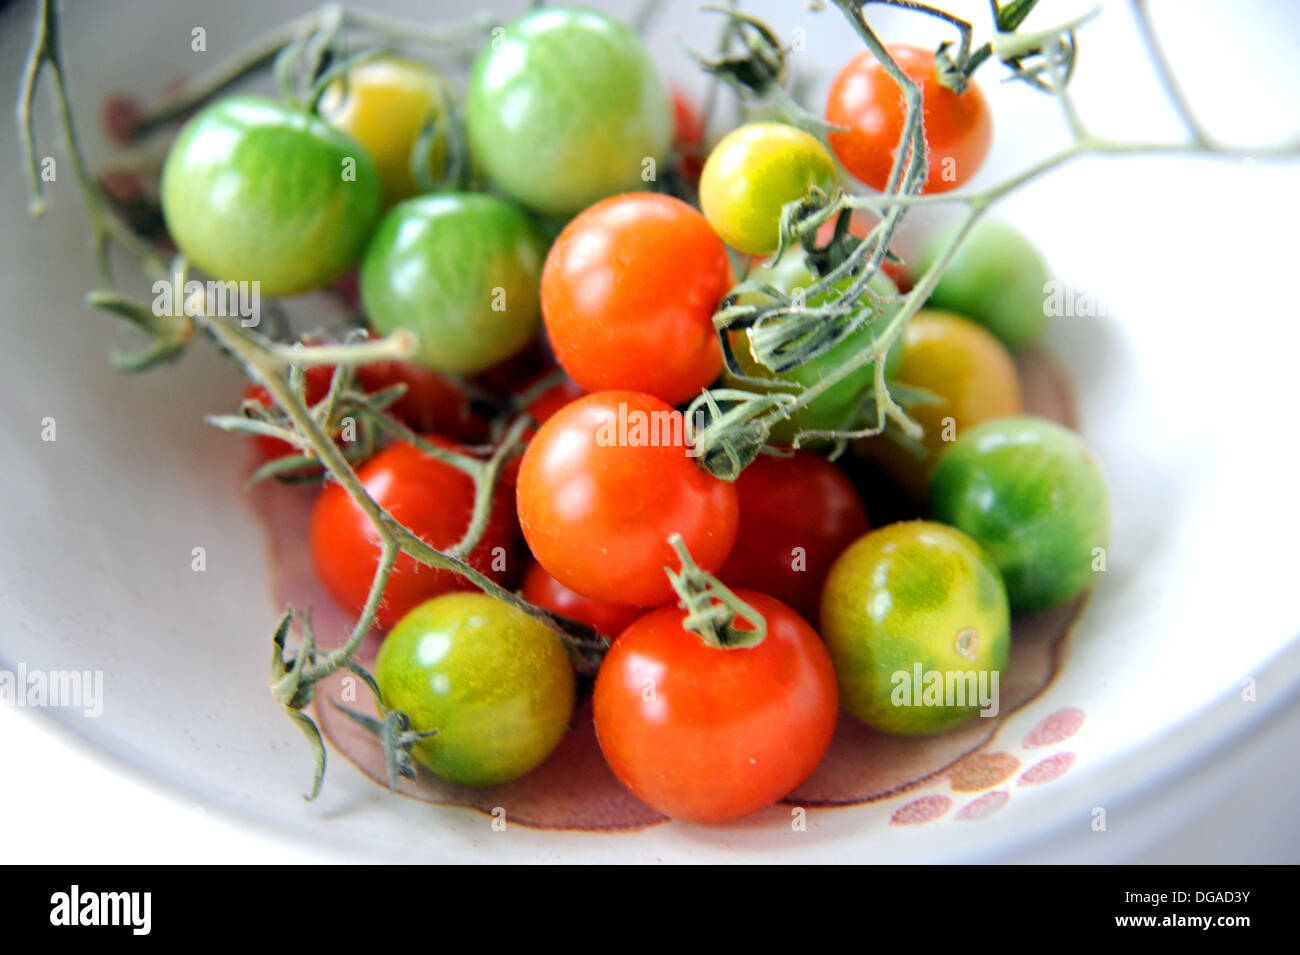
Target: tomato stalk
(712,608)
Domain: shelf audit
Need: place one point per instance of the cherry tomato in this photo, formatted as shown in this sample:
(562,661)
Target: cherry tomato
(907,601)
(628,294)
(254,191)
(545,591)
(495,684)
(997,278)
(385,104)
(553,399)
(605,483)
(316,385)
(431,498)
(866,101)
(565,108)
(461,271)
(836,407)
(1029,492)
(707,734)
(970,373)
(431,404)
(796,515)
(751,175)
(688,135)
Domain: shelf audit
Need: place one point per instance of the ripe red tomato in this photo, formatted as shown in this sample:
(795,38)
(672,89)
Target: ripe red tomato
(316,385)
(628,293)
(796,515)
(865,99)
(605,483)
(431,405)
(545,591)
(432,499)
(707,734)
(553,399)
(688,135)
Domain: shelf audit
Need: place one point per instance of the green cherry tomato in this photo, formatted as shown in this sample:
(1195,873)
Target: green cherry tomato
(1031,494)
(462,271)
(997,278)
(565,108)
(905,607)
(496,685)
(835,407)
(254,191)
(750,176)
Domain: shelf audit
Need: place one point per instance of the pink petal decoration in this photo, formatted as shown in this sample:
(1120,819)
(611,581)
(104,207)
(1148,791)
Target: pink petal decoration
(925,809)
(1047,770)
(984,807)
(1054,729)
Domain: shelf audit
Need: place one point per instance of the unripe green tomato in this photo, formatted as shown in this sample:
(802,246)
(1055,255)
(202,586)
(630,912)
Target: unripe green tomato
(496,684)
(915,594)
(835,407)
(751,175)
(565,108)
(462,271)
(255,191)
(996,277)
(1029,492)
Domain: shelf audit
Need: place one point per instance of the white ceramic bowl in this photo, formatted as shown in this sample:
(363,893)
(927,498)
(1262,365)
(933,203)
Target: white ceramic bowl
(1187,393)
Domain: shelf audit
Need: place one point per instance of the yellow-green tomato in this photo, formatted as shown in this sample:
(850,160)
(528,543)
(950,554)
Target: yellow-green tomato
(256,191)
(564,108)
(496,684)
(751,175)
(834,409)
(917,623)
(385,104)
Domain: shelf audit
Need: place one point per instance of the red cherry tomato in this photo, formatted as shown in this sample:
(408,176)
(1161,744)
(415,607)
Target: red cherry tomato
(431,498)
(602,487)
(545,591)
(628,294)
(796,515)
(553,399)
(431,405)
(865,99)
(316,385)
(708,734)
(688,136)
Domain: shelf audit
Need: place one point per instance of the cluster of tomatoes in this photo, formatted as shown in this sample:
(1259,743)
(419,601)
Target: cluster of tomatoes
(550,223)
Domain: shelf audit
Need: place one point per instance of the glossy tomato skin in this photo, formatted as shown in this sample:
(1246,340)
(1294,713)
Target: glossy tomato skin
(434,500)
(1030,493)
(495,684)
(970,373)
(866,101)
(997,277)
(628,294)
(543,590)
(705,734)
(461,271)
(565,108)
(605,483)
(750,176)
(796,515)
(254,191)
(908,595)
(385,104)
(835,408)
